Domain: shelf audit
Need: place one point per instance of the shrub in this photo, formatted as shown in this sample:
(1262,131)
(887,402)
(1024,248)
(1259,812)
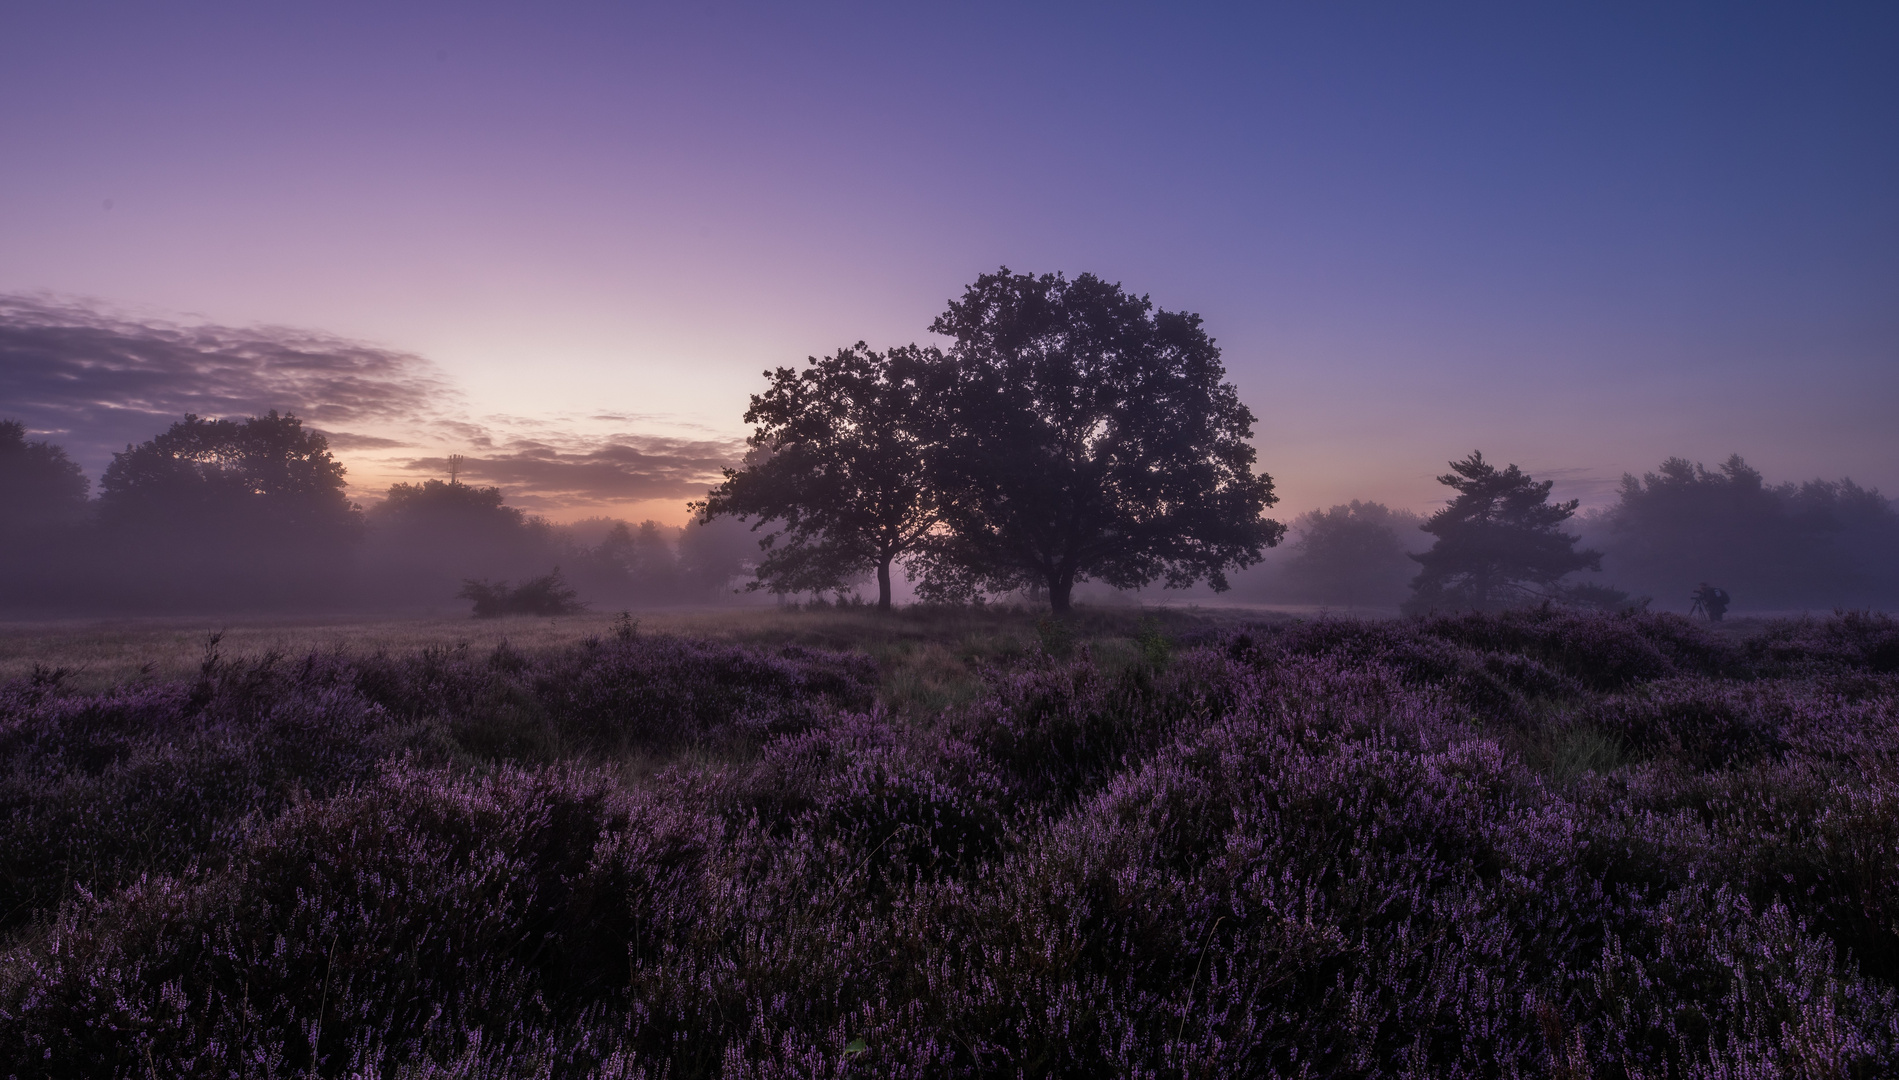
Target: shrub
(1523,844)
(548,594)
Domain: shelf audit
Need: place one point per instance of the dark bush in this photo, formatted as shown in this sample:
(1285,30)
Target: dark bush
(548,594)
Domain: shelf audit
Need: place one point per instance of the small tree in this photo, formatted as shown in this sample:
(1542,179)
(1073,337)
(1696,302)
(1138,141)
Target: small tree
(840,464)
(1089,435)
(1498,542)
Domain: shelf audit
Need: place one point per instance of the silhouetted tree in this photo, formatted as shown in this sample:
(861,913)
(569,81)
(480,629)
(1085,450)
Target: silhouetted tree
(1822,543)
(712,553)
(265,478)
(426,537)
(839,468)
(1350,554)
(40,487)
(226,513)
(1498,543)
(450,507)
(1089,436)
(643,557)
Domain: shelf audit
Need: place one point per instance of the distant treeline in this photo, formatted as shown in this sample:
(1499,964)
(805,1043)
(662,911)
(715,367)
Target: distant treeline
(253,515)
(1819,545)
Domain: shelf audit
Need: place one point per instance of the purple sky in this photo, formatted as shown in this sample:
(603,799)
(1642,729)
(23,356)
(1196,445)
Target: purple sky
(1579,237)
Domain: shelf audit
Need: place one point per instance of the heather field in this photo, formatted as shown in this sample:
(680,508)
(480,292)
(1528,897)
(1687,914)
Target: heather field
(956,844)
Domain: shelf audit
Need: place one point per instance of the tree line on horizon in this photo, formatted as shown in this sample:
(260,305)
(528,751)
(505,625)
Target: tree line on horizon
(1071,433)
(215,514)
(1822,544)
(176,537)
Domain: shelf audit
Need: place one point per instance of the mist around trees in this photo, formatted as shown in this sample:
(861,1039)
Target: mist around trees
(1070,436)
(253,515)
(1819,545)
(249,515)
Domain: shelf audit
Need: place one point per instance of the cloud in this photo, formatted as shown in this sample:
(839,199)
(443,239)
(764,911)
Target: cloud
(349,440)
(94,382)
(580,471)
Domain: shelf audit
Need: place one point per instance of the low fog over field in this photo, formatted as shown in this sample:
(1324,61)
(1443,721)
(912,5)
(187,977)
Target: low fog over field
(249,508)
(245,516)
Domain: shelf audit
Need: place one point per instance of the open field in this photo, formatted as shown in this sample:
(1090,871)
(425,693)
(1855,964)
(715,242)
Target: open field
(955,843)
(925,654)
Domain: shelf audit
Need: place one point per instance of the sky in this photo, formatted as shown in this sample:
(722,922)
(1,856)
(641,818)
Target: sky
(564,240)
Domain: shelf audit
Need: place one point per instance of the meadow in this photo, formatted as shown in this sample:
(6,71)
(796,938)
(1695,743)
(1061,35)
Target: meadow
(953,842)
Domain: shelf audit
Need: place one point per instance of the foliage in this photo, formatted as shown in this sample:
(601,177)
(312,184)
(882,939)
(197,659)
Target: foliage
(840,462)
(40,487)
(427,536)
(265,474)
(548,594)
(1498,543)
(643,555)
(1350,554)
(449,505)
(213,514)
(1822,543)
(1089,437)
(1524,844)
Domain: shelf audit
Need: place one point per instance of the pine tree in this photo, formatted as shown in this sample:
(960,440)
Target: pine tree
(1498,543)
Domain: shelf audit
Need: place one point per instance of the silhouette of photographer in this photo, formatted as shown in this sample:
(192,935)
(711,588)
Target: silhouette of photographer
(1710,601)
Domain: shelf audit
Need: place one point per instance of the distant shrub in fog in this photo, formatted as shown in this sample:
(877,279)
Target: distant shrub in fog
(548,594)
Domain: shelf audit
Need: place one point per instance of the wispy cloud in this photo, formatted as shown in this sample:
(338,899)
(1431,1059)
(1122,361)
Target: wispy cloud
(94,382)
(578,470)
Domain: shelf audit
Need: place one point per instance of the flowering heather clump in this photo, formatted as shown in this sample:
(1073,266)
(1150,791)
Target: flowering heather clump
(1531,844)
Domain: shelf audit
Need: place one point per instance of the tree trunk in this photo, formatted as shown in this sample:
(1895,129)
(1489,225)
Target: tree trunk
(883,585)
(1059,588)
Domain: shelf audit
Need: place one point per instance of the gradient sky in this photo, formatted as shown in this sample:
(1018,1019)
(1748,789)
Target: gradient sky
(1581,237)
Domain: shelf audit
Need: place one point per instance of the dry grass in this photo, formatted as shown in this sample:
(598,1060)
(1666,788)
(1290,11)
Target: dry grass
(929,656)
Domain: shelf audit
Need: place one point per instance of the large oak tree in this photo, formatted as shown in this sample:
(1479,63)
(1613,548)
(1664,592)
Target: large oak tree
(1089,435)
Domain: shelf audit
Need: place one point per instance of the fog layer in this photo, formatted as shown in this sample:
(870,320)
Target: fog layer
(251,515)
